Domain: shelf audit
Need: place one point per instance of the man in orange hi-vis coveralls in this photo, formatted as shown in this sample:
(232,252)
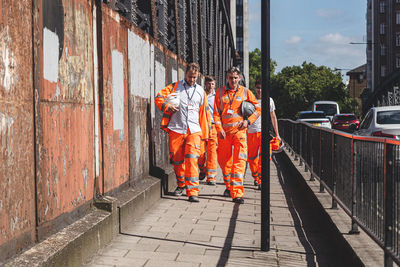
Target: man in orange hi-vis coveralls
(232,131)
(187,120)
(208,156)
(254,138)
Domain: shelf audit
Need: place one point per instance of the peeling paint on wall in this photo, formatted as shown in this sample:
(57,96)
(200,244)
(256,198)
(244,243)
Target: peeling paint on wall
(8,63)
(5,124)
(50,55)
(118,92)
(139,65)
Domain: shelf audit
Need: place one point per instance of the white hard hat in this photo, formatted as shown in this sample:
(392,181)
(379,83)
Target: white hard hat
(247,109)
(173,99)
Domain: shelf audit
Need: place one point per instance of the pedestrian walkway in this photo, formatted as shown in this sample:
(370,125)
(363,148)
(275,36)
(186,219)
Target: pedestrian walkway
(218,232)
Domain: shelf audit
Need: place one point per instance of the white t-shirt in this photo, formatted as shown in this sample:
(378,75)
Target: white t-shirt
(255,127)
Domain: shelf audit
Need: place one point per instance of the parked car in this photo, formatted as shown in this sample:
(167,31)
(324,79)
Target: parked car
(382,122)
(330,108)
(316,118)
(343,122)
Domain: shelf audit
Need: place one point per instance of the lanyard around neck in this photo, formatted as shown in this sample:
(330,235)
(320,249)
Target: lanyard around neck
(186,90)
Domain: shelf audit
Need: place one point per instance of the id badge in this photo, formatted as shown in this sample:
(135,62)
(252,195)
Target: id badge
(190,106)
(230,111)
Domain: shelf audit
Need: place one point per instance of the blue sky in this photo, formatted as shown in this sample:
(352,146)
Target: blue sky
(317,31)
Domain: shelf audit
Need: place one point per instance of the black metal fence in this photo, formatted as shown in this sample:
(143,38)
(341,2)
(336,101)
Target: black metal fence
(362,174)
(196,30)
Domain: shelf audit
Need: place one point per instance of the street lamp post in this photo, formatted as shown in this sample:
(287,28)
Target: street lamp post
(265,122)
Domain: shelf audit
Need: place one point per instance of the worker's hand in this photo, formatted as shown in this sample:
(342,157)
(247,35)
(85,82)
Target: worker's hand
(172,108)
(243,124)
(221,134)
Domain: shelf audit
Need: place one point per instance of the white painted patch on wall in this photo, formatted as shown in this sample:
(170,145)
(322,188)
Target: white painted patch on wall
(50,55)
(139,66)
(118,92)
(8,63)
(138,144)
(174,75)
(159,71)
(5,123)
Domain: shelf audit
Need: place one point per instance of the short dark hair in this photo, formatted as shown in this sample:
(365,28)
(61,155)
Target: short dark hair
(258,82)
(209,78)
(232,70)
(192,67)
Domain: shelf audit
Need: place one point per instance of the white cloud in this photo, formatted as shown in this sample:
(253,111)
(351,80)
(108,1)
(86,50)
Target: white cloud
(327,13)
(293,40)
(335,38)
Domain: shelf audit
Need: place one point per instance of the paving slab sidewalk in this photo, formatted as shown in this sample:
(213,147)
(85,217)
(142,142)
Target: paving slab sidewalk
(216,232)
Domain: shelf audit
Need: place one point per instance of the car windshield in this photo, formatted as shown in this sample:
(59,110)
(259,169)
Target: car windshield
(311,115)
(329,109)
(388,117)
(345,118)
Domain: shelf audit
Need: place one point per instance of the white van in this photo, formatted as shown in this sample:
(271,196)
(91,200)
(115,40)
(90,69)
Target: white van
(329,107)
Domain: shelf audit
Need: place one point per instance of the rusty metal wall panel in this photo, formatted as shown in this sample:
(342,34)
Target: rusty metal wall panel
(115,99)
(17,201)
(65,121)
(140,120)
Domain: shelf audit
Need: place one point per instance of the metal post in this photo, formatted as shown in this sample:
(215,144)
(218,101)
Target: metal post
(265,122)
(354,227)
(388,179)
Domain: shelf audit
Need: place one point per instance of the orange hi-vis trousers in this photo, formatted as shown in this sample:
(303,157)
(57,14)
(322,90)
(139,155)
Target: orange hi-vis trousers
(233,163)
(184,152)
(208,155)
(254,159)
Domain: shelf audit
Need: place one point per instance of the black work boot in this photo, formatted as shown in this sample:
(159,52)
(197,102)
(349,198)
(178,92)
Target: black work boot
(239,200)
(193,199)
(178,191)
(227,193)
(202,176)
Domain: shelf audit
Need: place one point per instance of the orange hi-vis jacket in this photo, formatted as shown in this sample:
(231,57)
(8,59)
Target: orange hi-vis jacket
(227,108)
(204,111)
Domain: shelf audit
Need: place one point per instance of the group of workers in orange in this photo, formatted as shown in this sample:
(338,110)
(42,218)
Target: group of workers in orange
(207,125)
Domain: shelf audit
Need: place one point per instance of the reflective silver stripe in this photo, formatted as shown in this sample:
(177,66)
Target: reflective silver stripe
(231,124)
(177,162)
(226,175)
(230,116)
(237,175)
(160,96)
(227,180)
(236,183)
(191,156)
(180,177)
(166,116)
(163,106)
(243,156)
(211,175)
(254,173)
(212,170)
(197,146)
(218,122)
(192,179)
(253,158)
(192,187)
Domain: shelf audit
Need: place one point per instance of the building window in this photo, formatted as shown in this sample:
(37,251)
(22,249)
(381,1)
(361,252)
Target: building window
(239,2)
(239,44)
(239,21)
(382,7)
(382,28)
(397,17)
(383,50)
(398,61)
(398,38)
(383,70)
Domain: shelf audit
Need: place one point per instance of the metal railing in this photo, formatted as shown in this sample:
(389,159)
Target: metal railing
(196,30)
(362,174)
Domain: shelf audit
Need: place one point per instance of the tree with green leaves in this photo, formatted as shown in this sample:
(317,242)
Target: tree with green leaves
(295,88)
(255,67)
